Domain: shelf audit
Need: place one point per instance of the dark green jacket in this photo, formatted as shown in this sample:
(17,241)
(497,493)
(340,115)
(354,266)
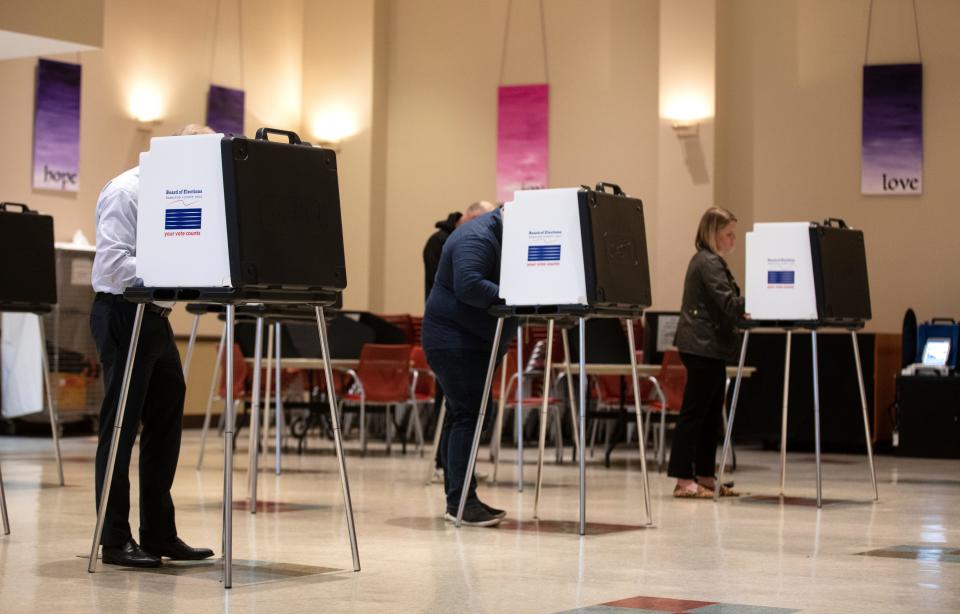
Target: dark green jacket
(711,307)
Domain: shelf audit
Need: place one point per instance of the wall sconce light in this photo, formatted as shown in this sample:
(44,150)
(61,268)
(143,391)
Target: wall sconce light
(146,108)
(686,129)
(686,112)
(332,126)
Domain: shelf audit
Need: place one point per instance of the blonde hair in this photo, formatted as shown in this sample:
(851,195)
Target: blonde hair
(713,220)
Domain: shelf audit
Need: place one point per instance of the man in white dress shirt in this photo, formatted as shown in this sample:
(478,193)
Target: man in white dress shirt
(156,394)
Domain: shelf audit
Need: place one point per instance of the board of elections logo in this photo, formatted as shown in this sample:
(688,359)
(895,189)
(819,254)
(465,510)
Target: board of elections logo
(543,247)
(781,278)
(182,219)
(543,253)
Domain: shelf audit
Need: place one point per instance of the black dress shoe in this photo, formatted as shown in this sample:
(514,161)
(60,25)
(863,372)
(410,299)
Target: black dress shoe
(130,555)
(176,550)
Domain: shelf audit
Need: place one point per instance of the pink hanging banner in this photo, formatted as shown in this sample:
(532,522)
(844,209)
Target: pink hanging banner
(523,122)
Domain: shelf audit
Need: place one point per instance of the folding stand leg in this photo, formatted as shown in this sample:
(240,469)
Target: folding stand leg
(866,422)
(438,432)
(337,440)
(570,393)
(498,426)
(255,416)
(278,405)
(188,356)
(583,425)
(816,414)
(115,439)
(54,414)
(733,412)
(3,508)
(544,406)
(636,402)
(519,411)
(214,381)
(783,419)
(265,431)
(488,384)
(228,458)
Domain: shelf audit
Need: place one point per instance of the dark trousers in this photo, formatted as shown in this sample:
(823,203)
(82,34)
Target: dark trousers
(694,448)
(155,401)
(462,374)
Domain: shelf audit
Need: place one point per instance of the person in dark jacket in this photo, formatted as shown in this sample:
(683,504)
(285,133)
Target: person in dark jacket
(457,338)
(707,339)
(434,246)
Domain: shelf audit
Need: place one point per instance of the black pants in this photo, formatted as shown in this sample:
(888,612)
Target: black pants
(695,440)
(462,374)
(155,400)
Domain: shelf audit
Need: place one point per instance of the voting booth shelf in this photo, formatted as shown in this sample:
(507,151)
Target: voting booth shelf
(568,254)
(236,221)
(803,275)
(29,286)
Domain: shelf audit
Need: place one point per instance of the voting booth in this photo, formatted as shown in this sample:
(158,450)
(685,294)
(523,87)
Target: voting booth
(238,221)
(809,276)
(28,288)
(569,254)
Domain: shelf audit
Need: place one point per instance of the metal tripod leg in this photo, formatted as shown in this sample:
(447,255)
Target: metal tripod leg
(255,416)
(583,425)
(191,344)
(265,432)
(733,412)
(3,508)
(115,438)
(544,408)
(54,414)
(278,404)
(488,384)
(816,414)
(866,422)
(640,432)
(337,439)
(214,381)
(570,393)
(437,434)
(498,427)
(228,427)
(783,419)
(519,412)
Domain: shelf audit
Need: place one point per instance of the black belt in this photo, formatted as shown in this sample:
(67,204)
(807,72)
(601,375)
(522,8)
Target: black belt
(118,298)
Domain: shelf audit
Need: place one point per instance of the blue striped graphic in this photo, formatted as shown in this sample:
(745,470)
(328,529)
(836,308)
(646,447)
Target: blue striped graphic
(182,219)
(780,277)
(543,253)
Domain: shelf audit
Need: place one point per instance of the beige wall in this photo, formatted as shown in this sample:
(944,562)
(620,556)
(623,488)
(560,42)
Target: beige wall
(444,67)
(75,21)
(789,109)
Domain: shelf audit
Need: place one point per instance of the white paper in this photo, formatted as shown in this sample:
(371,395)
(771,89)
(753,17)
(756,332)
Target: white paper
(181,222)
(780,272)
(81,271)
(22,369)
(542,258)
(666,332)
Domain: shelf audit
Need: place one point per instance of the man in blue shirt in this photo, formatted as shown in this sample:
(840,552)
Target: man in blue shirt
(457,338)
(156,394)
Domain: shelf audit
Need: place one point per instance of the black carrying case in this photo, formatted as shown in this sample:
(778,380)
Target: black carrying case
(616,268)
(28,276)
(840,273)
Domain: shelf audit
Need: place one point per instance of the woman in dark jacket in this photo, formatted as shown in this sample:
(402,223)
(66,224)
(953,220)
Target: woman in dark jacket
(707,339)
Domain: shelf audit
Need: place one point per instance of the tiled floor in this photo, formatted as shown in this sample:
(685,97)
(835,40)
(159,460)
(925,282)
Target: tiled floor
(753,555)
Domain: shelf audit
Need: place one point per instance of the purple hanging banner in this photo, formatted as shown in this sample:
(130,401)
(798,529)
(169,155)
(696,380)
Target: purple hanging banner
(56,127)
(892,162)
(225,110)
(523,122)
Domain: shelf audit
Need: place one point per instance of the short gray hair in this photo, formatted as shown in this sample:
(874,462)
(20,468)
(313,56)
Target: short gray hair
(194,129)
(479,208)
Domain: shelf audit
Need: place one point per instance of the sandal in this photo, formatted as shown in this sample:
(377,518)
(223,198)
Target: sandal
(702,493)
(725,491)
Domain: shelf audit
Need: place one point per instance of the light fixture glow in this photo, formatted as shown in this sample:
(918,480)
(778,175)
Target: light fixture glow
(334,124)
(686,108)
(145,104)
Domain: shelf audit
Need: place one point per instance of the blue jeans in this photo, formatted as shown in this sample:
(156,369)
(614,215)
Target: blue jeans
(462,374)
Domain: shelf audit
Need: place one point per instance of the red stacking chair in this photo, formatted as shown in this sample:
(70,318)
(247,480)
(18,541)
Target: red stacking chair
(667,396)
(381,381)
(423,392)
(405,323)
